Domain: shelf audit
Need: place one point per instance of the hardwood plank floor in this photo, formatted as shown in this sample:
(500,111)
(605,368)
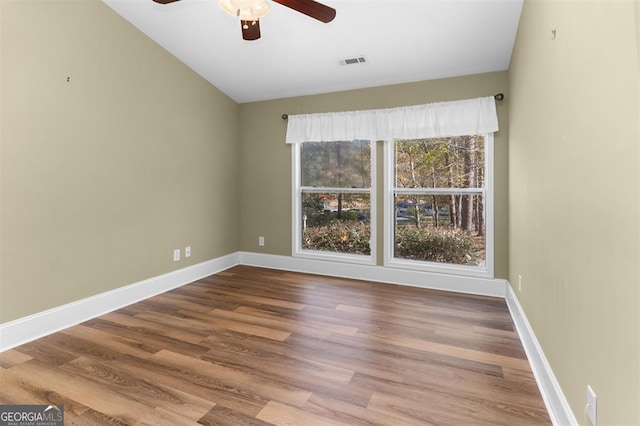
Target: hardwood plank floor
(253,346)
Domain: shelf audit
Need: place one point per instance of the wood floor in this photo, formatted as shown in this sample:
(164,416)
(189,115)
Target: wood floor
(253,346)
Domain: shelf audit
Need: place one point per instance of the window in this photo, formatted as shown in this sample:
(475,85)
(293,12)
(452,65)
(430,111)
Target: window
(333,199)
(438,191)
(439,204)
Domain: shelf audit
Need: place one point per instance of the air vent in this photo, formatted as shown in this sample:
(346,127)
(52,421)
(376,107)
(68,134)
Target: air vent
(353,61)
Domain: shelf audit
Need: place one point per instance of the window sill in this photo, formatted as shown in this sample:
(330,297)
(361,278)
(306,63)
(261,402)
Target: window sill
(335,257)
(440,268)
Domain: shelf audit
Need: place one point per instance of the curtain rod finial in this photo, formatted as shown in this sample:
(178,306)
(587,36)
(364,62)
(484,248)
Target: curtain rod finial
(285,116)
(499,97)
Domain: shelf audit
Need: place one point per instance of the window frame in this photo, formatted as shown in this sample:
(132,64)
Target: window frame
(389,215)
(296,199)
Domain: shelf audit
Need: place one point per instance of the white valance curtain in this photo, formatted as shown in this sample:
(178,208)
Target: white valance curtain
(457,118)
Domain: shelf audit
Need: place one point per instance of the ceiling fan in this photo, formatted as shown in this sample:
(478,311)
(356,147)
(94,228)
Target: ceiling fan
(250,12)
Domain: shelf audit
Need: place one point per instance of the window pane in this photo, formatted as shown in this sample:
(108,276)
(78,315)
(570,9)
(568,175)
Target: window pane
(456,162)
(336,222)
(444,228)
(336,164)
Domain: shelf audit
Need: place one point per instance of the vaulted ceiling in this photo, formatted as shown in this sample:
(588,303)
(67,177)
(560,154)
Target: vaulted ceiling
(401,41)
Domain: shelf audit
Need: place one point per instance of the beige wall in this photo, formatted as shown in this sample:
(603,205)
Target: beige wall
(104,175)
(265,175)
(574,197)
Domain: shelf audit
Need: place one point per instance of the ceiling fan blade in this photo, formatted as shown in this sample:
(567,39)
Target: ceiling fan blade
(311,8)
(250,30)
(165,1)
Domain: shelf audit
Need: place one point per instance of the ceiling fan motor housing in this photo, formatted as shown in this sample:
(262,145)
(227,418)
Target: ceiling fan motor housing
(246,10)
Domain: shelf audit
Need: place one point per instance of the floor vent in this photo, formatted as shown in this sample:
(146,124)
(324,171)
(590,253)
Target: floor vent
(353,61)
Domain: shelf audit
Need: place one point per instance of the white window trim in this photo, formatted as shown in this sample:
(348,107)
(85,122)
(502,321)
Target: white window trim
(485,271)
(296,220)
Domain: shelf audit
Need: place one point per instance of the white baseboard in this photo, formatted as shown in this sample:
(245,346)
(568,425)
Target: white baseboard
(557,405)
(29,328)
(23,330)
(460,284)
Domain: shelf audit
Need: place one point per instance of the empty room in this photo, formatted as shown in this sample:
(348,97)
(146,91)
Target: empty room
(290,212)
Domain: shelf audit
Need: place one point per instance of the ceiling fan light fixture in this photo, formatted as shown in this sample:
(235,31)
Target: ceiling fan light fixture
(246,10)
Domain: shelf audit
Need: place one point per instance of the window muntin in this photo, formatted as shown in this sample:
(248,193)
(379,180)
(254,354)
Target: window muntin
(333,199)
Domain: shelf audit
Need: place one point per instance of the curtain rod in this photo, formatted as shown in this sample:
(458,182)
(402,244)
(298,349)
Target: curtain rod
(497,97)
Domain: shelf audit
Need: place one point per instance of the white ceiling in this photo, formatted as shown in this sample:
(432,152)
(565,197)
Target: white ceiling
(402,40)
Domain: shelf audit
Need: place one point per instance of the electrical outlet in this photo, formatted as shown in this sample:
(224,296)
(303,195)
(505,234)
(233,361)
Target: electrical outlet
(261,241)
(519,282)
(176,255)
(590,409)
(187,251)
